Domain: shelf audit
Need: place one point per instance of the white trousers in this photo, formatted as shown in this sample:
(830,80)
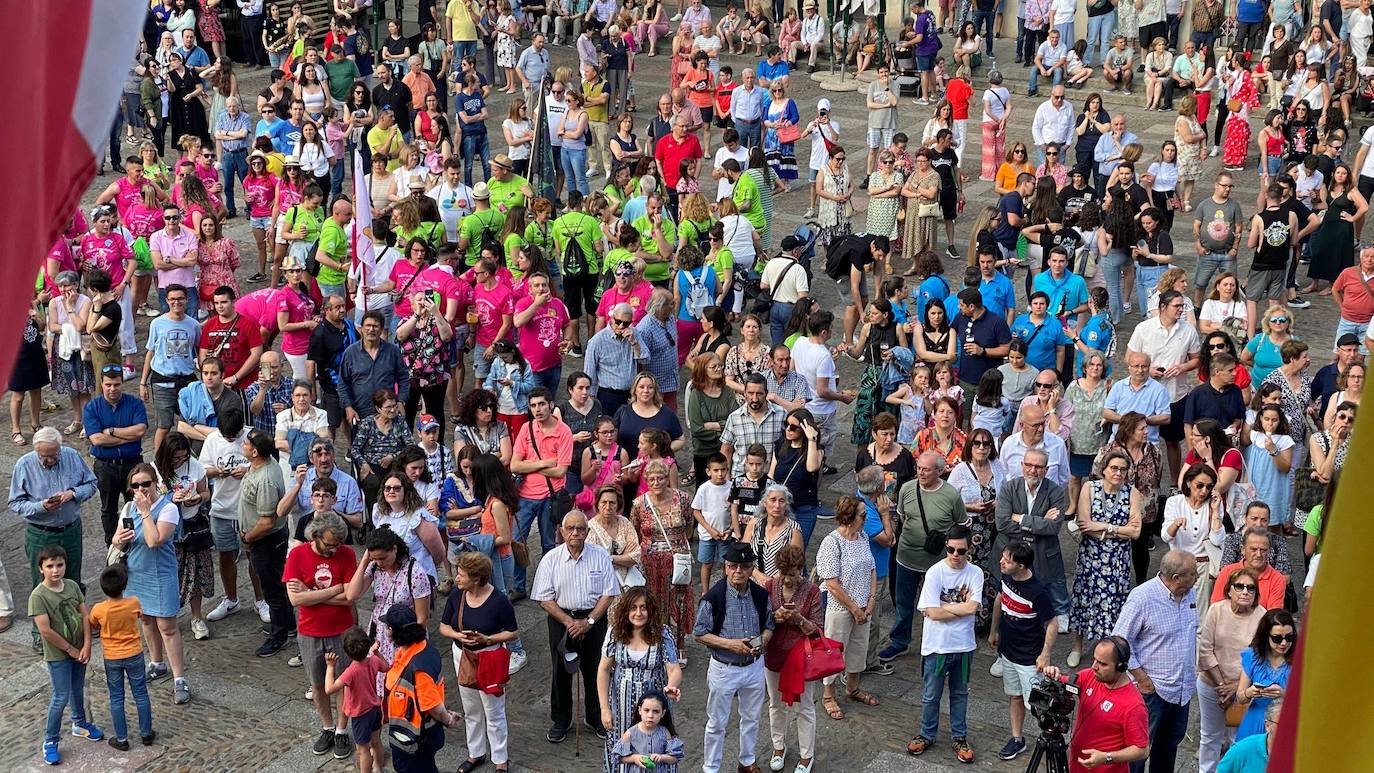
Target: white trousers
(6,596)
(485,719)
(1214,732)
(780,715)
(724,685)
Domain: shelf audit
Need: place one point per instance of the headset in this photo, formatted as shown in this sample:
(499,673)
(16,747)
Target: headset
(1123,652)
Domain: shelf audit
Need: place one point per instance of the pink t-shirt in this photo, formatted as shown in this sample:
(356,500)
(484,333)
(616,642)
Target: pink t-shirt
(360,686)
(176,247)
(491,305)
(298,308)
(503,275)
(435,279)
(127,194)
(540,336)
(400,277)
(637,297)
(260,191)
(260,306)
(290,195)
(108,253)
(143,221)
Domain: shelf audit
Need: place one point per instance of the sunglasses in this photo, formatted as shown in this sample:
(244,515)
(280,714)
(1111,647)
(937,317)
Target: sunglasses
(1052,155)
(620,322)
(1278,320)
(1287,637)
(953,551)
(1218,347)
(112,370)
(1243,587)
(149,484)
(1039,385)
(981,443)
(392,489)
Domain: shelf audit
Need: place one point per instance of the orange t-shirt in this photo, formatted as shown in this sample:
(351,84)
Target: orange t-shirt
(700,89)
(118,621)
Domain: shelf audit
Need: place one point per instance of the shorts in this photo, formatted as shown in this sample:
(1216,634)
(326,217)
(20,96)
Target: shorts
(312,655)
(1173,431)
(1081,465)
(949,206)
(1016,679)
(225,532)
(365,725)
(723,121)
(1266,283)
(164,407)
(828,429)
(579,295)
(333,407)
(260,223)
(925,63)
(558,158)
(281,229)
(880,138)
(711,551)
(481,366)
(846,296)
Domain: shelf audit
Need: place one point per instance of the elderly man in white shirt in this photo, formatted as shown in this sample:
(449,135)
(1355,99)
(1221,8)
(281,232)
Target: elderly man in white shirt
(1053,123)
(812,38)
(1174,348)
(1033,436)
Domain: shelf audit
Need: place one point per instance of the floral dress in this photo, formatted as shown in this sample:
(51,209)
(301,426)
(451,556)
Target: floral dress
(1235,144)
(663,532)
(218,262)
(424,355)
(207,21)
(633,674)
(1189,155)
(919,233)
(739,366)
(505,42)
(834,217)
(1104,567)
(1143,476)
(882,213)
(401,586)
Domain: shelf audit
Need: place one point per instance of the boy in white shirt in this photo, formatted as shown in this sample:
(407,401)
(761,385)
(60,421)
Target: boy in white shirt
(711,509)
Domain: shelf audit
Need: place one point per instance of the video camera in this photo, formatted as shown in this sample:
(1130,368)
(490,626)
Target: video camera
(1052,702)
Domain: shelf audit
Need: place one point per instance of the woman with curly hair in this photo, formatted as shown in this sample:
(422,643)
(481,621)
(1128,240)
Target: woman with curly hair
(640,656)
(477,425)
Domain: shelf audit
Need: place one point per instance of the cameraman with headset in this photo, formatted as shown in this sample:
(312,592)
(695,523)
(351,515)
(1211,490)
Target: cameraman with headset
(1112,728)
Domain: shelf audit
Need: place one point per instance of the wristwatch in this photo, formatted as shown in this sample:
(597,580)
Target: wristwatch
(591,620)
(1109,758)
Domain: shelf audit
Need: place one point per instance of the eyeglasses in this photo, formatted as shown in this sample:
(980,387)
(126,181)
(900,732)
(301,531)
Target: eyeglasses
(1200,486)
(1287,637)
(1243,587)
(1226,185)
(1117,468)
(953,551)
(170,299)
(620,322)
(575,529)
(1022,151)
(141,484)
(392,489)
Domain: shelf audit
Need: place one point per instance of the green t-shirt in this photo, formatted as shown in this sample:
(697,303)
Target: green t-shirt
(617,256)
(428,230)
(259,493)
(722,262)
(63,609)
(505,195)
(343,73)
(694,231)
(746,194)
(311,220)
(334,243)
(510,244)
(471,229)
(943,507)
(377,137)
(541,237)
(1313,526)
(586,230)
(657,271)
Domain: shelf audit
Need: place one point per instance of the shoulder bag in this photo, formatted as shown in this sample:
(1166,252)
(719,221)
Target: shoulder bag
(561,500)
(934,543)
(682,562)
(487,670)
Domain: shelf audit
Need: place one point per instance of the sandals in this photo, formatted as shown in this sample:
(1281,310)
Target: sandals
(832,707)
(470,765)
(859,696)
(72,429)
(17,438)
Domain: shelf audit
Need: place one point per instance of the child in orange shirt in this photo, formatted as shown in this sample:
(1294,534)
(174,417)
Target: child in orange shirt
(118,620)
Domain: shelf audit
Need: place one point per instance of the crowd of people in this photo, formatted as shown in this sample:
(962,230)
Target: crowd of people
(428,409)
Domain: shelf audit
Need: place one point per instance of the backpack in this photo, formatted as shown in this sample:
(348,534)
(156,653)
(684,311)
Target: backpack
(701,236)
(575,257)
(698,297)
(837,261)
(489,241)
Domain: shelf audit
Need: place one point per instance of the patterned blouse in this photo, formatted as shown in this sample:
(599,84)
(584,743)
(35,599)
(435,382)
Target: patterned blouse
(424,355)
(372,443)
(926,440)
(218,262)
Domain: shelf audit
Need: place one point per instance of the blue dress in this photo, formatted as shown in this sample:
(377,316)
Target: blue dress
(657,742)
(1273,486)
(1260,673)
(153,571)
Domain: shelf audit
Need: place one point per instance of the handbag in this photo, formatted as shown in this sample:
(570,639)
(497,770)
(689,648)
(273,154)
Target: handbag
(486,670)
(1235,713)
(763,302)
(682,562)
(934,543)
(928,209)
(824,657)
(1241,494)
(1308,492)
(586,498)
(634,577)
(788,133)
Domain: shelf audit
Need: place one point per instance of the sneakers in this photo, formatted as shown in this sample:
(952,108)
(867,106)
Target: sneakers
(270,647)
(87,730)
(295,662)
(266,630)
(264,614)
(918,745)
(1013,749)
(996,669)
(324,743)
(1074,658)
(310,693)
(121,744)
(258,276)
(1215,152)
(225,608)
(1127,92)
(949,250)
(890,653)
(181,692)
(343,746)
(1299,302)
(882,669)
(199,629)
(157,671)
(576,351)
(962,751)
(150,312)
(557,733)
(50,754)
(517,661)
(598,730)
(128,373)
(810,213)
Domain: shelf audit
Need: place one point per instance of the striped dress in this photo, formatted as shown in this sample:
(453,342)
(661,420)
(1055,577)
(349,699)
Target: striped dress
(766,202)
(635,672)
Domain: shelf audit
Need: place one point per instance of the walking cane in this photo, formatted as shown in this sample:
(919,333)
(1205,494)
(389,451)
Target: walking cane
(577,703)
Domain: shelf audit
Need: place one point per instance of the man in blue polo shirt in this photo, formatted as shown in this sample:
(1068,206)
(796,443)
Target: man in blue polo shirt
(983,341)
(999,295)
(1042,333)
(1138,394)
(1217,398)
(115,424)
(1067,292)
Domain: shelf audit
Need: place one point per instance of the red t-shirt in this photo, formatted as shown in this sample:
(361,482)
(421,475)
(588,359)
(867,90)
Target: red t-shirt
(1118,719)
(317,573)
(958,92)
(232,342)
(671,153)
(1232,459)
(1243,379)
(360,686)
(1356,303)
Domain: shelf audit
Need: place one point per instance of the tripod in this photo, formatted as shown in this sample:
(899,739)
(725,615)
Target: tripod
(1051,749)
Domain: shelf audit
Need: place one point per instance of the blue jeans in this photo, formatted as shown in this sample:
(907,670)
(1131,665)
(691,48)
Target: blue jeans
(192,301)
(1056,75)
(462,48)
(982,25)
(68,687)
(1113,267)
(115,673)
(575,169)
(1209,265)
(904,602)
(750,132)
(805,516)
(1171,23)
(1059,595)
(1357,328)
(336,175)
(525,515)
(1146,277)
(475,145)
(777,320)
(1021,39)
(934,670)
(1099,37)
(549,378)
(1066,33)
(1201,39)
(1168,722)
(328,290)
(233,163)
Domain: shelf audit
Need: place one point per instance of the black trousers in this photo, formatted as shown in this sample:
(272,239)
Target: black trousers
(433,395)
(589,657)
(1140,548)
(253,52)
(267,556)
(112,481)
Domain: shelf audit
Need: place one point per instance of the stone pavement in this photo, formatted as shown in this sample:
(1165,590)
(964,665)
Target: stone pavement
(250,714)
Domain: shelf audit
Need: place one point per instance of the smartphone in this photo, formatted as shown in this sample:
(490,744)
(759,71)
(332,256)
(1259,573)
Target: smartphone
(129,523)
(790,605)
(756,642)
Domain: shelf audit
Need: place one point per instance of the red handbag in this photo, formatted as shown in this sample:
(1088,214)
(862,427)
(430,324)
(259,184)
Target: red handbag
(824,657)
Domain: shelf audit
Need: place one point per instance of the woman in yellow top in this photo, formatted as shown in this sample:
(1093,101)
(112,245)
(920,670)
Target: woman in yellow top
(1017,161)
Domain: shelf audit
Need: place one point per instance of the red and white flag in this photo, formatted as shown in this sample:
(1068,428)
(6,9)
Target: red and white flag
(363,249)
(72,57)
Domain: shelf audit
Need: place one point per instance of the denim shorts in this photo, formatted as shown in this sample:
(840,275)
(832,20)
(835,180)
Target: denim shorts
(260,223)
(225,532)
(164,407)
(711,551)
(925,63)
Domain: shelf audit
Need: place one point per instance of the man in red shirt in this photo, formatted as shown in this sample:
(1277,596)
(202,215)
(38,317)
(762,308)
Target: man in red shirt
(235,339)
(316,574)
(669,154)
(1254,553)
(1113,727)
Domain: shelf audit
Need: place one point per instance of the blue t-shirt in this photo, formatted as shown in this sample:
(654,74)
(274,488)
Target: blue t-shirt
(278,130)
(873,525)
(1005,234)
(999,294)
(1249,11)
(173,345)
(1068,293)
(766,71)
(1098,333)
(705,276)
(1040,346)
(934,288)
(471,105)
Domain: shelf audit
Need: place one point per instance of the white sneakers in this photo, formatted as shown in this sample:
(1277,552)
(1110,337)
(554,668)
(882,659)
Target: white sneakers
(226,608)
(199,629)
(264,614)
(996,669)
(517,661)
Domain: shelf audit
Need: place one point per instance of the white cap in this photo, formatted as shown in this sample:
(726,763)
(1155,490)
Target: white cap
(823,104)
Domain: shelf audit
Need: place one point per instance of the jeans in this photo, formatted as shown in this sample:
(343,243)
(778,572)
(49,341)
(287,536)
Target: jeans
(1146,277)
(549,378)
(1113,267)
(1059,595)
(934,669)
(1021,38)
(68,678)
(115,673)
(1056,75)
(267,557)
(1357,328)
(327,290)
(777,321)
(1168,723)
(336,175)
(232,163)
(525,515)
(982,25)
(1211,264)
(1066,33)
(805,516)
(1099,37)
(750,132)
(909,583)
(475,145)
(462,48)
(575,169)
(1202,39)
(1171,22)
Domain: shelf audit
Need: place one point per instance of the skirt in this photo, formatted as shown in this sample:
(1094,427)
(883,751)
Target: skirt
(783,160)
(1235,146)
(195,574)
(72,376)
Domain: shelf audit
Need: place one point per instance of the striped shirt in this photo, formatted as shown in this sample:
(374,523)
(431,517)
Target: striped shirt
(575,584)
(1162,633)
(742,430)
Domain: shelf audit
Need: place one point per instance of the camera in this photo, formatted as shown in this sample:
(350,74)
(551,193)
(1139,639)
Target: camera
(1052,702)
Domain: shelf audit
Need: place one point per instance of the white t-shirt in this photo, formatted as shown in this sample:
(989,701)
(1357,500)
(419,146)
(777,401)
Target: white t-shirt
(723,186)
(1367,168)
(1220,311)
(517,128)
(710,499)
(815,363)
(312,421)
(786,279)
(188,476)
(227,455)
(819,155)
(739,238)
(455,202)
(386,260)
(944,585)
(405,527)
(554,109)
